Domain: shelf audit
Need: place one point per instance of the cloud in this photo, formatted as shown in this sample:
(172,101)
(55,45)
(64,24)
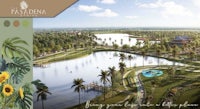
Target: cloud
(168,8)
(107,1)
(87,8)
(131,17)
(150,5)
(171,8)
(105,13)
(196,2)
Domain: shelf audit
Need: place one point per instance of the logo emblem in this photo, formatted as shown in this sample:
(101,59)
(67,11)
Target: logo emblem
(23,5)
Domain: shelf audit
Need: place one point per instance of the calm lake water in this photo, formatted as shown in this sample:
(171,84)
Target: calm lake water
(59,76)
(119,39)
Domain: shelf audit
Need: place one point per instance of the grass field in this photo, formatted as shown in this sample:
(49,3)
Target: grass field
(164,84)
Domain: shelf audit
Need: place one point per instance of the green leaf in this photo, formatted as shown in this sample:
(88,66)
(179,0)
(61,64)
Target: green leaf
(18,68)
(13,47)
(3,65)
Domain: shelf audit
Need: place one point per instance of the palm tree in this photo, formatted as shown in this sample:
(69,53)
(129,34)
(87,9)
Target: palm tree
(143,55)
(42,91)
(158,55)
(174,53)
(121,42)
(138,43)
(130,57)
(192,55)
(122,57)
(146,43)
(112,71)
(122,69)
(110,40)
(171,71)
(13,47)
(129,41)
(78,84)
(104,79)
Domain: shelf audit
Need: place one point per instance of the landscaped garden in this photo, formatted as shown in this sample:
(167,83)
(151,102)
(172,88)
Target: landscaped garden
(175,86)
(173,75)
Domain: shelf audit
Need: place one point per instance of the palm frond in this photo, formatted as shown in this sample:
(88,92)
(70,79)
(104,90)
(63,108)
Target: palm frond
(78,84)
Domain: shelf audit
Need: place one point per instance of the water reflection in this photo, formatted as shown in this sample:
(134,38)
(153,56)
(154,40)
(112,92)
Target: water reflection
(59,76)
(119,39)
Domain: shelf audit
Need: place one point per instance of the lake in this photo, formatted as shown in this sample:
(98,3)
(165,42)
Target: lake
(59,76)
(119,39)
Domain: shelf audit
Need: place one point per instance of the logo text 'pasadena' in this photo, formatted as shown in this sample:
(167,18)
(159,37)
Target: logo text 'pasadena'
(26,12)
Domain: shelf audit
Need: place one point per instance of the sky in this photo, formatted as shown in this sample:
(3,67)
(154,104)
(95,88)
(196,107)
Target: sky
(125,13)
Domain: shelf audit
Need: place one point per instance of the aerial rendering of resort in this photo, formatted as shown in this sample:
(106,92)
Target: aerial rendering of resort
(118,54)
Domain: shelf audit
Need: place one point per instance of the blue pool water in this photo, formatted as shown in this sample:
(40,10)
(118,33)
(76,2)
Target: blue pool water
(152,73)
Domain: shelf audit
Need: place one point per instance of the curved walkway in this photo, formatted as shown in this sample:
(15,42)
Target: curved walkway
(140,88)
(125,86)
(138,82)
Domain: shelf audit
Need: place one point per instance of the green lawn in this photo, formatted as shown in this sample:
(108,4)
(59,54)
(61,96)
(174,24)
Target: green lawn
(63,56)
(118,96)
(164,84)
(191,95)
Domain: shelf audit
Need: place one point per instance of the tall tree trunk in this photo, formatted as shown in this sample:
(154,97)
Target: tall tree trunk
(104,91)
(79,98)
(122,78)
(112,85)
(42,104)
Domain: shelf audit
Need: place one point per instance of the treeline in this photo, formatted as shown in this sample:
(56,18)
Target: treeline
(55,41)
(153,33)
(50,41)
(161,34)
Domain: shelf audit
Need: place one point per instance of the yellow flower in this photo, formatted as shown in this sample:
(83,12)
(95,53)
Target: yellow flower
(21,93)
(7,90)
(4,76)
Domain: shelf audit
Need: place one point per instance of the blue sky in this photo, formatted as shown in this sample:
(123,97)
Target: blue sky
(126,13)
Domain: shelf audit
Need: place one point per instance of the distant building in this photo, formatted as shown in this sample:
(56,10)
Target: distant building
(142,39)
(180,40)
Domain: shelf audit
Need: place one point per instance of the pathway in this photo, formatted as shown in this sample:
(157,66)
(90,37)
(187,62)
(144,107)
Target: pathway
(125,86)
(139,84)
(140,88)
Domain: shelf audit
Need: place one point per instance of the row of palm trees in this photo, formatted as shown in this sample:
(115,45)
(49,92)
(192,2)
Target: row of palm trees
(122,57)
(189,49)
(106,76)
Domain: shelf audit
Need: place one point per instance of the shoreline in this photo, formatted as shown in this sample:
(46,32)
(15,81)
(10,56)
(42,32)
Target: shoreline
(83,53)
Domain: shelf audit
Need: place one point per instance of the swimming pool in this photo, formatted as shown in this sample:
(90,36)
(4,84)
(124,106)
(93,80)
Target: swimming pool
(152,73)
